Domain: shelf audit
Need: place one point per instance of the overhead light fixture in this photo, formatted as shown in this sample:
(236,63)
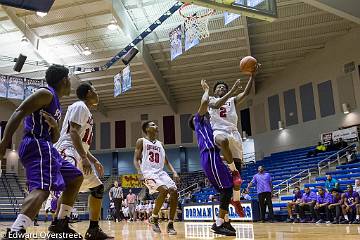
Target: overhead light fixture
(24,42)
(281,125)
(244,135)
(345,108)
(112,26)
(13,148)
(41,14)
(87,51)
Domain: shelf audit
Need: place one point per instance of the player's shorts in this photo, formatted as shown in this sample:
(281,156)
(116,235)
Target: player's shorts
(154,181)
(235,142)
(90,180)
(216,171)
(45,168)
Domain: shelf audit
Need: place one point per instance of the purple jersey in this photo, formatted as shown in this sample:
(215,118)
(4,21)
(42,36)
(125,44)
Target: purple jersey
(204,135)
(336,199)
(325,198)
(308,197)
(35,125)
(297,196)
(351,197)
(214,168)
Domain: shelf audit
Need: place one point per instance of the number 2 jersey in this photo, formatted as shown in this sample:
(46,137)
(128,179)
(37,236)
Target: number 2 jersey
(80,114)
(153,157)
(225,118)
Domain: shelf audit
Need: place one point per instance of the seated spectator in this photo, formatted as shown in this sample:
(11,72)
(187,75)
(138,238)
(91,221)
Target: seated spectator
(149,209)
(294,202)
(245,195)
(318,149)
(335,206)
(323,199)
(307,203)
(331,183)
(138,210)
(331,146)
(341,144)
(351,199)
(351,156)
(164,211)
(357,186)
(125,210)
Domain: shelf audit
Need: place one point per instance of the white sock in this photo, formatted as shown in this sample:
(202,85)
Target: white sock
(358,217)
(219,221)
(226,218)
(65,211)
(346,217)
(22,222)
(236,195)
(232,166)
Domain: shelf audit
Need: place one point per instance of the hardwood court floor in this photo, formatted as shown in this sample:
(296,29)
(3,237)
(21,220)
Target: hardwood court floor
(245,231)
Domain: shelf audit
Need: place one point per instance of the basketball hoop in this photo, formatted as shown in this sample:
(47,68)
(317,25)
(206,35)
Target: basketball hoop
(196,20)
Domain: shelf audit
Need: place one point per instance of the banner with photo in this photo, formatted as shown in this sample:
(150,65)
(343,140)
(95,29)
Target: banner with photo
(31,85)
(3,85)
(176,42)
(189,41)
(131,181)
(117,84)
(348,134)
(15,88)
(126,79)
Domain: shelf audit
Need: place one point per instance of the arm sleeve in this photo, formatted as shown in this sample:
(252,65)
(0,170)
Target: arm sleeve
(79,115)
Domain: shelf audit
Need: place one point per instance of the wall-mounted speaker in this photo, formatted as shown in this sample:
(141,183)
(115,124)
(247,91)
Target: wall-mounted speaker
(129,56)
(19,62)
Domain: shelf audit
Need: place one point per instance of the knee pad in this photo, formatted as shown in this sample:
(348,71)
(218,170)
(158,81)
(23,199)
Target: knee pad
(97,192)
(225,198)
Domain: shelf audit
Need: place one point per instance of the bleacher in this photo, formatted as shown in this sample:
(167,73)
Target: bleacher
(281,166)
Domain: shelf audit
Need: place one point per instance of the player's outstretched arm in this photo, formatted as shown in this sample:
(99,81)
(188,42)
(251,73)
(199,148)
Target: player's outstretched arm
(36,101)
(137,154)
(218,102)
(205,99)
(240,97)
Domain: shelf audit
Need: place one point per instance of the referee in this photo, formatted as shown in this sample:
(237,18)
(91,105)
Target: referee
(116,195)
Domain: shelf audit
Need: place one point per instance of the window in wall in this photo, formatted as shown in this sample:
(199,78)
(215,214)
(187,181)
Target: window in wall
(307,102)
(105,142)
(274,111)
(291,115)
(169,129)
(186,132)
(326,99)
(245,121)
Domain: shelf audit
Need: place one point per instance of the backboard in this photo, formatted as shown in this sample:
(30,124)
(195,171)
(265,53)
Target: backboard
(260,9)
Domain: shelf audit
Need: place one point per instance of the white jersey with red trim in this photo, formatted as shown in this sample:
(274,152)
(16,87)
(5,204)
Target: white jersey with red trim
(80,114)
(153,157)
(225,118)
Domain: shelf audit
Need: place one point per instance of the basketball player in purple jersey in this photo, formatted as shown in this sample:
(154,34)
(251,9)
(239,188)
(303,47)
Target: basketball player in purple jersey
(45,169)
(216,171)
(351,199)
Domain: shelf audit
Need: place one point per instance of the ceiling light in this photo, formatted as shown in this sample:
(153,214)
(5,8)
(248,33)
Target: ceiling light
(87,51)
(41,14)
(112,26)
(345,108)
(280,125)
(24,42)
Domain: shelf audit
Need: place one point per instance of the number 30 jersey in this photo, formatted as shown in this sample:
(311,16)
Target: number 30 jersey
(153,157)
(80,114)
(225,118)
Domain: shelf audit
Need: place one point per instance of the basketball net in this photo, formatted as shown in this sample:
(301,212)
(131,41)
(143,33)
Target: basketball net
(196,21)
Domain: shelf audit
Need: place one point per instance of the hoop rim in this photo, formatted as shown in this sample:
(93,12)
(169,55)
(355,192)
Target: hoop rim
(212,11)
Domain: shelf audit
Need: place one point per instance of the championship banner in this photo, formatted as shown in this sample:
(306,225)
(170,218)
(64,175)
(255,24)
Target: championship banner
(31,85)
(3,85)
(175,42)
(190,42)
(131,181)
(230,17)
(15,88)
(210,212)
(347,134)
(117,84)
(126,80)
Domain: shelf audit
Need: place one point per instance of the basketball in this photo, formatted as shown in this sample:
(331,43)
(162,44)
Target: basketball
(248,64)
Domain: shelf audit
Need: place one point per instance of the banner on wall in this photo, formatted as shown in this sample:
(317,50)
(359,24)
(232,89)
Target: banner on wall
(176,42)
(117,84)
(31,85)
(209,212)
(131,181)
(347,134)
(15,88)
(126,79)
(3,86)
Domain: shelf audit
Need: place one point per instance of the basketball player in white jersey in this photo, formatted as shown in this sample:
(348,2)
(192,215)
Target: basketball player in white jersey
(224,120)
(149,160)
(74,144)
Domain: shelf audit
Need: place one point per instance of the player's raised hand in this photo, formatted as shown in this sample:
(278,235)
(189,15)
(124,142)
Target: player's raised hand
(236,88)
(204,85)
(49,119)
(99,168)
